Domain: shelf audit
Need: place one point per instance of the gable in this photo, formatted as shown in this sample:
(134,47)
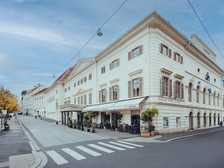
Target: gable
(81,65)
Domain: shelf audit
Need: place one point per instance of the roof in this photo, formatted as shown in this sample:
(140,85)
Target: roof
(41,91)
(31,90)
(66,74)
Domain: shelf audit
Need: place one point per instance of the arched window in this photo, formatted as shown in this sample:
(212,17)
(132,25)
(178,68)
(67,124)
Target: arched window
(218,100)
(198,94)
(190,92)
(198,120)
(214,99)
(218,118)
(214,119)
(204,91)
(210,120)
(209,97)
(204,119)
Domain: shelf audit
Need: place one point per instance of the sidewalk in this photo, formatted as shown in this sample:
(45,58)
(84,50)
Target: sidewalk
(174,136)
(14,146)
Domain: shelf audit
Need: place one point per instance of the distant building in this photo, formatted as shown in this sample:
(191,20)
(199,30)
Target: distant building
(26,103)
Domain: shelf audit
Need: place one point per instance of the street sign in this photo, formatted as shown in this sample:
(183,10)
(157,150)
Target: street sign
(4,112)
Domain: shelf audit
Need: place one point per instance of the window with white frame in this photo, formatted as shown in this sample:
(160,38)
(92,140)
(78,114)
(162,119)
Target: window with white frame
(103,96)
(84,79)
(178,122)
(103,70)
(165,122)
(90,76)
(136,87)
(115,92)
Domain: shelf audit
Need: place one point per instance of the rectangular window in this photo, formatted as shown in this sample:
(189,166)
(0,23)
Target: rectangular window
(90,76)
(115,92)
(135,52)
(103,70)
(84,79)
(65,89)
(177,57)
(103,94)
(78,100)
(114,64)
(85,99)
(74,100)
(178,122)
(90,98)
(136,86)
(178,89)
(75,84)
(81,81)
(165,86)
(165,122)
(69,88)
(56,105)
(78,83)
(81,99)
(165,50)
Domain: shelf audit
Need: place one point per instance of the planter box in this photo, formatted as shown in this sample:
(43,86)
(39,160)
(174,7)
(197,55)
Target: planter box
(145,134)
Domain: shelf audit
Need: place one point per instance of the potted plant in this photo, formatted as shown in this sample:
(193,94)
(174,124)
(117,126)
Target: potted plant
(147,118)
(88,125)
(93,128)
(75,123)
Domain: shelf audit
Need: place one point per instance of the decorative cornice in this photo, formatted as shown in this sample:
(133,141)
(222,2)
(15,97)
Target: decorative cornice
(178,76)
(82,91)
(115,80)
(166,71)
(135,72)
(103,84)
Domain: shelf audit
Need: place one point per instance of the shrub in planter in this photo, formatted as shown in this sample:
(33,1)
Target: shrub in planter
(74,123)
(147,118)
(88,125)
(93,128)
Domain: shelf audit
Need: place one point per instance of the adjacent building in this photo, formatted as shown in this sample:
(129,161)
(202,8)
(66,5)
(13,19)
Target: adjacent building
(152,64)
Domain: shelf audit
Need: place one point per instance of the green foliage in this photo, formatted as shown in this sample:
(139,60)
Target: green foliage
(75,122)
(8,101)
(147,117)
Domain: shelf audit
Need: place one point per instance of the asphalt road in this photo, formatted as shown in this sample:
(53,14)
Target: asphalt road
(67,148)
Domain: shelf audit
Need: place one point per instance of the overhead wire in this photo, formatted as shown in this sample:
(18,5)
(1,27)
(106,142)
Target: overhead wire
(86,43)
(205,29)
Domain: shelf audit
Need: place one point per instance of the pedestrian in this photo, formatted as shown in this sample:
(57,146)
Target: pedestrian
(220,123)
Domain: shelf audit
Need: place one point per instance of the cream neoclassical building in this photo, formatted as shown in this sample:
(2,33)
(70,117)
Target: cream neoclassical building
(152,64)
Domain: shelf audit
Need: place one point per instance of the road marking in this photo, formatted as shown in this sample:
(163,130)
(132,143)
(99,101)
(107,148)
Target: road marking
(89,151)
(131,144)
(111,146)
(122,145)
(59,160)
(100,148)
(74,154)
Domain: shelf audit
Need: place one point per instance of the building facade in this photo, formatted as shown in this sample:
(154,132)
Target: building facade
(152,64)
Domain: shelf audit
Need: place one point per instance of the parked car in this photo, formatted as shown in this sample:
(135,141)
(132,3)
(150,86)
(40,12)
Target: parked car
(20,113)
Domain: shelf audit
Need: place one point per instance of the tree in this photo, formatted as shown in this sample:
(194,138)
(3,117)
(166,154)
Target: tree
(147,117)
(8,101)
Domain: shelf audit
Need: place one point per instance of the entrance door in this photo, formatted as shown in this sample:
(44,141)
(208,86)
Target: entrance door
(198,120)
(191,121)
(204,119)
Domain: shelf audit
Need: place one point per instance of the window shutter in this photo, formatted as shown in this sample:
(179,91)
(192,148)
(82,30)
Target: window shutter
(170,88)
(161,48)
(110,94)
(174,56)
(169,54)
(175,89)
(141,86)
(111,66)
(181,59)
(182,90)
(118,92)
(129,89)
(161,86)
(100,97)
(140,49)
(118,62)
(129,55)
(105,95)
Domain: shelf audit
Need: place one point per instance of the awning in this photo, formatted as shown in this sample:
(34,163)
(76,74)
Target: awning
(121,105)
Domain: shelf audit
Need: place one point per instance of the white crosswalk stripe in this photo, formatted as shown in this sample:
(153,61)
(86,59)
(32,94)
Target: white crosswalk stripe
(58,159)
(122,145)
(100,148)
(128,143)
(117,145)
(112,146)
(89,151)
(74,154)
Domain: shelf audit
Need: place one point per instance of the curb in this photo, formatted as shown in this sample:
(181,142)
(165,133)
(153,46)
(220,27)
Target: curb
(187,136)
(39,156)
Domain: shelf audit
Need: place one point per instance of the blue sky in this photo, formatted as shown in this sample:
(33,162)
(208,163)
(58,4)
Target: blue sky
(37,37)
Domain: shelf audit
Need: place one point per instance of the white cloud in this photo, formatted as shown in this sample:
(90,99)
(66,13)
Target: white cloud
(33,32)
